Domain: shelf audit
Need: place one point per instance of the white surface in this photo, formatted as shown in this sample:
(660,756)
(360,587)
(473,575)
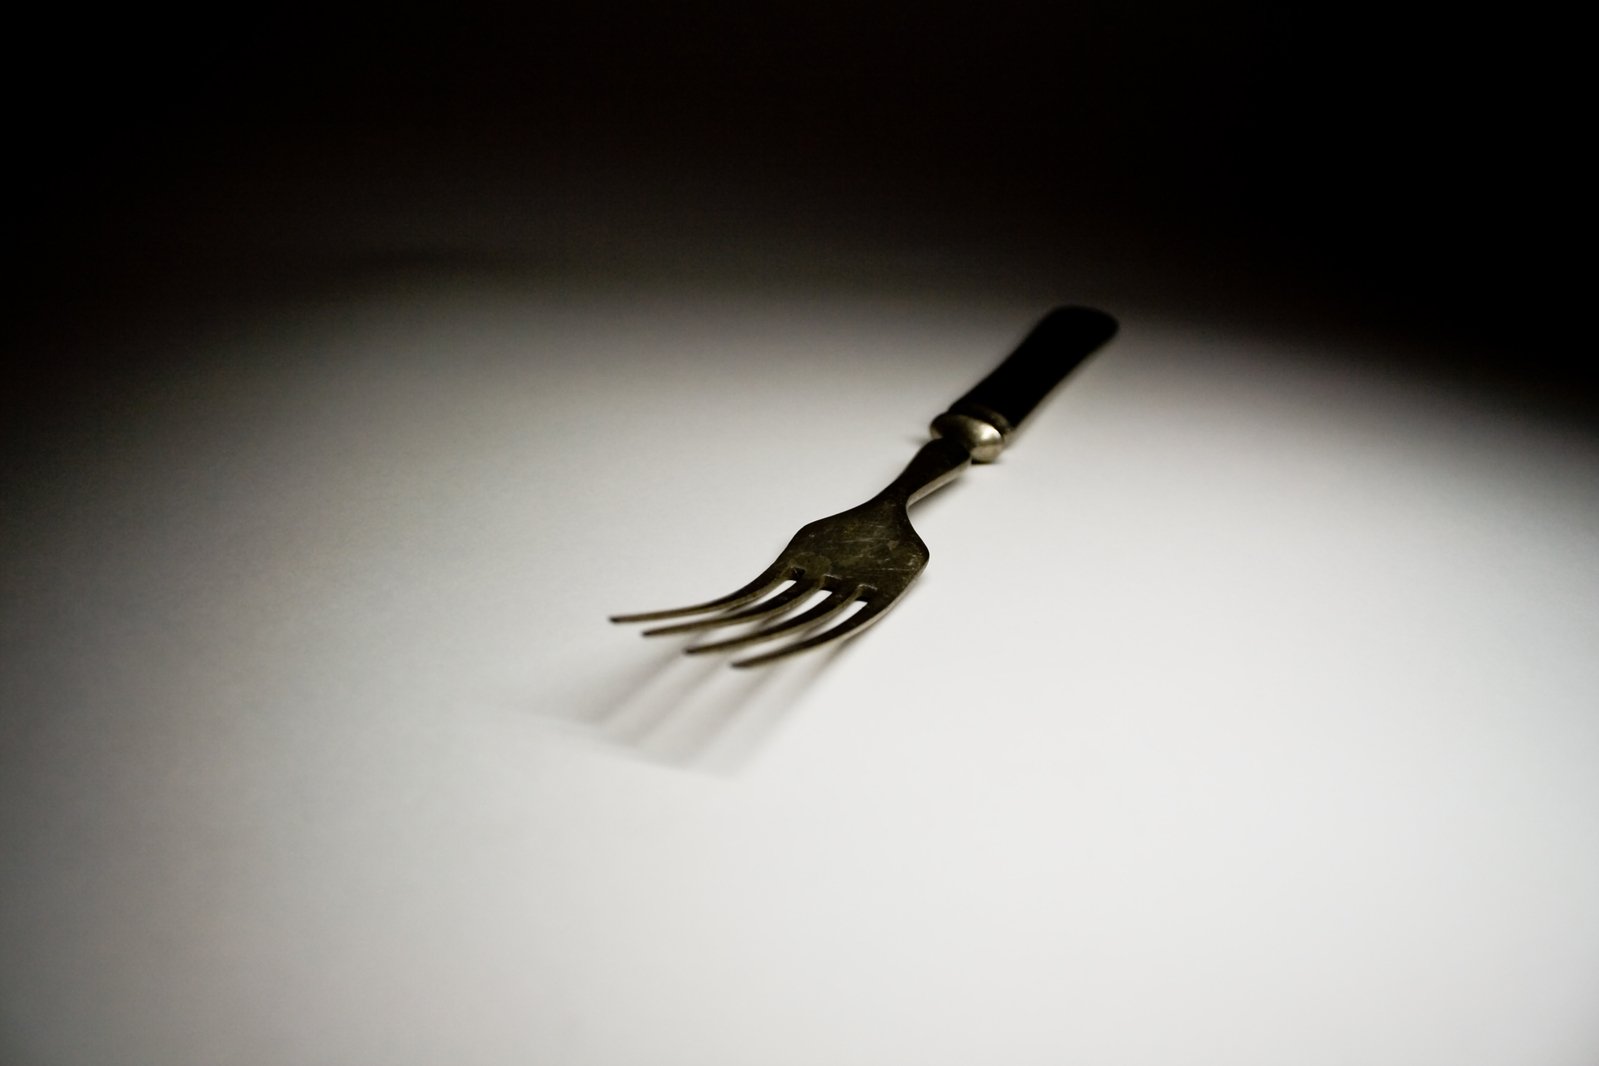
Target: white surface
(1246,714)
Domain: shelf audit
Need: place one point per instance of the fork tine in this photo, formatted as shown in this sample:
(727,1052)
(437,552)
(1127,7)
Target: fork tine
(856,622)
(833,605)
(770,578)
(764,609)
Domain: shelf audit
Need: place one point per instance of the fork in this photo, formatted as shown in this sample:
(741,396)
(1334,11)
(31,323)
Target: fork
(869,555)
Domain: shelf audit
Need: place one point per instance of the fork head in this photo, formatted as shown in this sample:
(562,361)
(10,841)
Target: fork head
(868,554)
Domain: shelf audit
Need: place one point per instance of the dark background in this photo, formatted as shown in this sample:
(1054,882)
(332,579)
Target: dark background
(1327,164)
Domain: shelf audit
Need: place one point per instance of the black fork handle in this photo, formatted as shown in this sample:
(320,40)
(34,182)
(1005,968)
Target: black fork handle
(985,417)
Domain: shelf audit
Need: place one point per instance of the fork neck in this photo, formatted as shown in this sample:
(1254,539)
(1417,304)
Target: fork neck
(939,462)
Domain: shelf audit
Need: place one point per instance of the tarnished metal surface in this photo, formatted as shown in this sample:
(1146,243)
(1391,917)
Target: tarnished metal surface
(870,554)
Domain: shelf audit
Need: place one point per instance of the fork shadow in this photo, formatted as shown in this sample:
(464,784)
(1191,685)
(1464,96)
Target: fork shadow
(696,713)
(693,712)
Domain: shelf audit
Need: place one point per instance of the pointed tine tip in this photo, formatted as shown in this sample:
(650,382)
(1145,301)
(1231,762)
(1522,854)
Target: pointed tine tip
(632,617)
(770,579)
(655,616)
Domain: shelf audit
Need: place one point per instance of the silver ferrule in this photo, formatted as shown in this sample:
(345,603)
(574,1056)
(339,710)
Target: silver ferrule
(982,437)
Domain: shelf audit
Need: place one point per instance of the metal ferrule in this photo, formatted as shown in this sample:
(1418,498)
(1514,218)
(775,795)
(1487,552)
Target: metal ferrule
(981,431)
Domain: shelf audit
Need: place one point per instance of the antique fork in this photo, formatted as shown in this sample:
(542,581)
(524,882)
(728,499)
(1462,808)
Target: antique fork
(870,554)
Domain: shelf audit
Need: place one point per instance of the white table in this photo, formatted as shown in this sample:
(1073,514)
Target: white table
(1246,713)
